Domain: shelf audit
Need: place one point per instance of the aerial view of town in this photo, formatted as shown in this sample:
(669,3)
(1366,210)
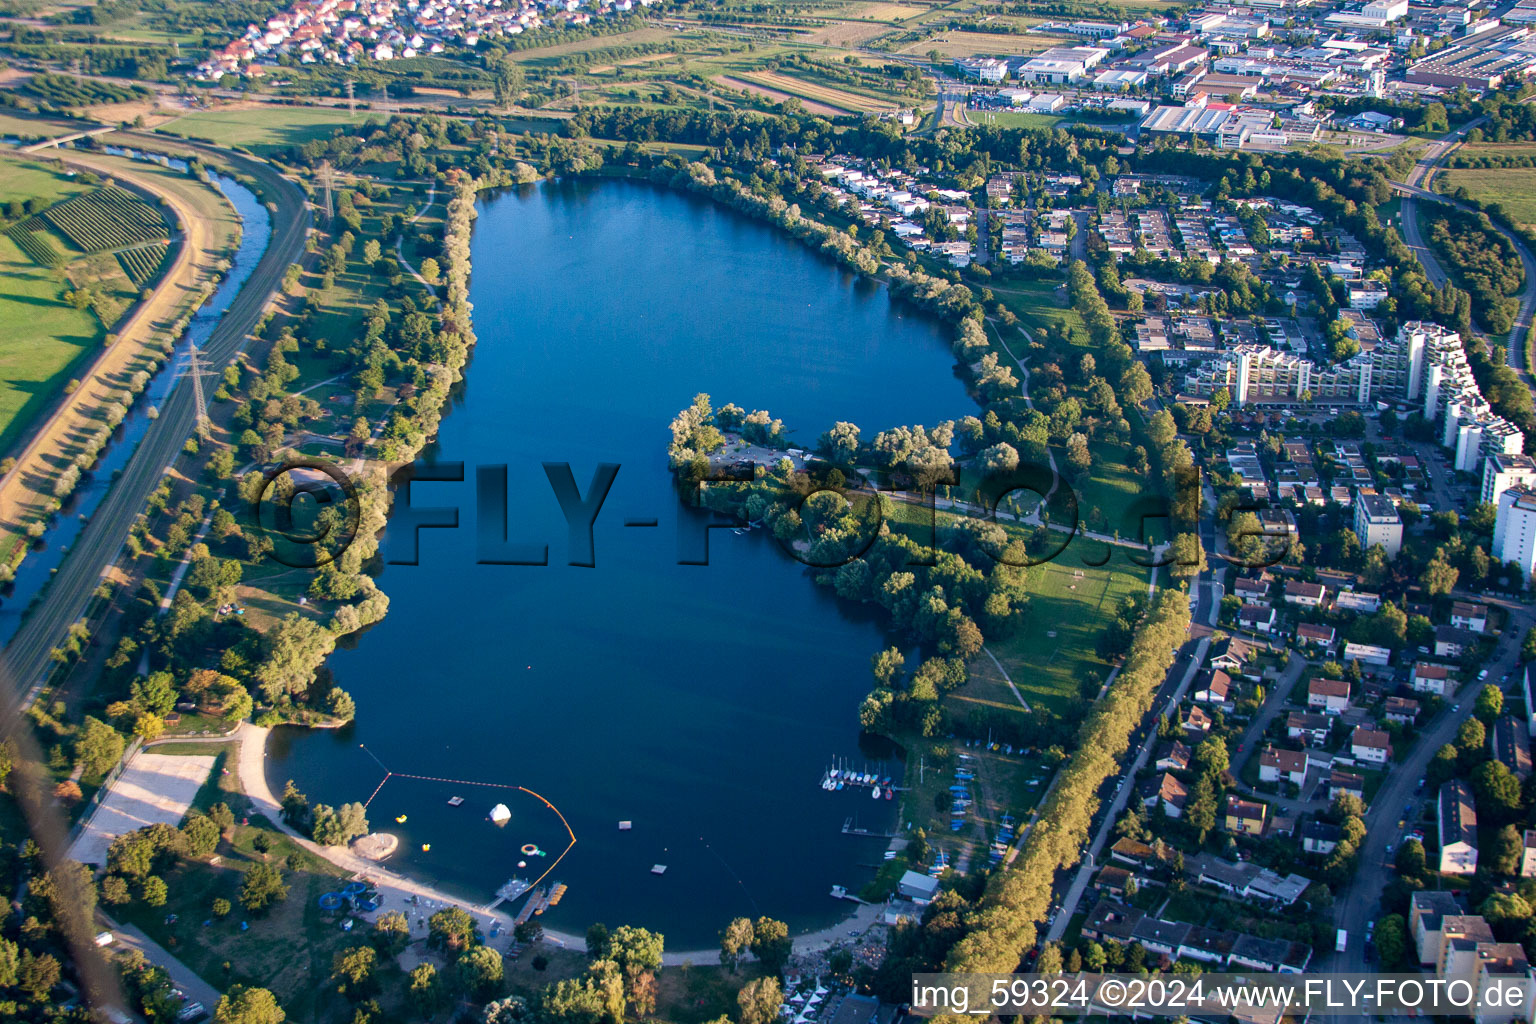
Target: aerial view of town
(767,511)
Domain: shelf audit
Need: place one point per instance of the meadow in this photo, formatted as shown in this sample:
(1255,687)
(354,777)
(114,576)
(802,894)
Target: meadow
(46,336)
(264,130)
(1514,188)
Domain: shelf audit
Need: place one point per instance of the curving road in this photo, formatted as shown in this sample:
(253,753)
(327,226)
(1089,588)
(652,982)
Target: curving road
(1416,188)
(25,660)
(1358,903)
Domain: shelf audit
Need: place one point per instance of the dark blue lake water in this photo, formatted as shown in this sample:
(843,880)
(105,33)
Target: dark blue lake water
(702,703)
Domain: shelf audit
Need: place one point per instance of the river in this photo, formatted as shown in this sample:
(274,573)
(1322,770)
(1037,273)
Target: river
(700,703)
(48,552)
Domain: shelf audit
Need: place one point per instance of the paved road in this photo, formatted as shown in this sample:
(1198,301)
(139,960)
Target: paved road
(1415,190)
(1278,698)
(1172,690)
(192,986)
(25,659)
(1358,903)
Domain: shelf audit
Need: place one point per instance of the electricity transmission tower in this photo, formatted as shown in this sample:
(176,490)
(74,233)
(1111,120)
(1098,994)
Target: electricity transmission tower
(351,100)
(325,181)
(197,370)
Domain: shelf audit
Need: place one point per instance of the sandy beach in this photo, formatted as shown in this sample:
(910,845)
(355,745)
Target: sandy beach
(419,901)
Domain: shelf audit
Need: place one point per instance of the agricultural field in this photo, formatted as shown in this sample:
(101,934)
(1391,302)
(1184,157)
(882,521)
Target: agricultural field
(837,99)
(264,130)
(550,54)
(109,218)
(142,263)
(950,45)
(46,336)
(1514,188)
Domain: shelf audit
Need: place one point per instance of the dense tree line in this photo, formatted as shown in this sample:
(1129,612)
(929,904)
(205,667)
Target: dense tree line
(992,935)
(1481,260)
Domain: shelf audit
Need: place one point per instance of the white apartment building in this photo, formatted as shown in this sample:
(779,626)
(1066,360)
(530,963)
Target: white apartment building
(1259,373)
(1501,472)
(1377,522)
(1514,531)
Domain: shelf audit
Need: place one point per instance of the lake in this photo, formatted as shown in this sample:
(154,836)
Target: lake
(700,703)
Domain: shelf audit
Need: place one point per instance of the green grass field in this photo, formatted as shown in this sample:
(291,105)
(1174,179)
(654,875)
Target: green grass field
(46,336)
(1514,188)
(1051,655)
(30,127)
(266,129)
(1013,118)
(1037,306)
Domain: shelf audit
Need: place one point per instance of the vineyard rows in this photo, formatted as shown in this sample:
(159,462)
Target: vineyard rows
(108,218)
(35,247)
(143,263)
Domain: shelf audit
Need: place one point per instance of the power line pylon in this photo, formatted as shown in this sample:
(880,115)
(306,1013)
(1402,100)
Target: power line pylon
(325,181)
(197,370)
(351,99)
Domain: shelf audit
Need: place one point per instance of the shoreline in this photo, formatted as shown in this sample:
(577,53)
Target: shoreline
(396,890)
(394,886)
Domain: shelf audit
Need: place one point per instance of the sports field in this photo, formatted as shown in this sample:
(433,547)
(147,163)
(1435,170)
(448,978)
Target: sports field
(1051,656)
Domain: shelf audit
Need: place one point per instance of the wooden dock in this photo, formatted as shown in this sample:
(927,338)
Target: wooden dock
(850,829)
(513,888)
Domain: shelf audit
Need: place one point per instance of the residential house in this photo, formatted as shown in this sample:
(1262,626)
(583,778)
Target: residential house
(1320,837)
(1512,746)
(1460,935)
(1231,655)
(1528,854)
(1307,595)
(1330,696)
(1252,590)
(1361,601)
(1342,783)
(1173,757)
(1172,795)
(1372,746)
(1133,852)
(1244,816)
(1257,617)
(1317,635)
(1427,910)
(1453,641)
(1458,829)
(1197,721)
(1160,937)
(1430,678)
(1312,729)
(1466,615)
(1212,686)
(1287,765)
(1502,970)
(1111,920)
(1368,654)
(1403,710)
(1112,881)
